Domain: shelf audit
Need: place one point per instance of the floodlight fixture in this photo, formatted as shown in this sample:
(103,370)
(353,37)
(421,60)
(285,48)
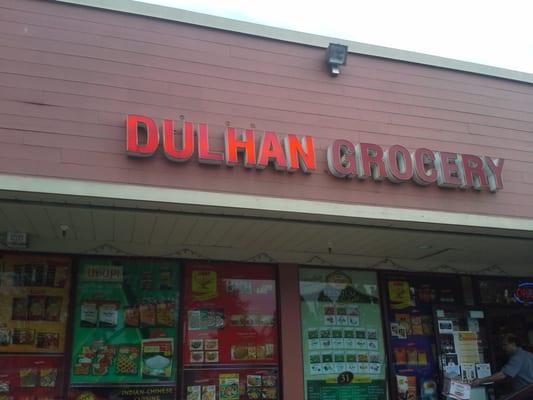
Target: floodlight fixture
(336,56)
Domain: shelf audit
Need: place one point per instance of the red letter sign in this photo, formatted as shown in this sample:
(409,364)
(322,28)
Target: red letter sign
(300,154)
(204,154)
(449,174)
(398,164)
(133,146)
(234,145)
(169,145)
(474,174)
(493,169)
(424,167)
(371,161)
(341,159)
(271,150)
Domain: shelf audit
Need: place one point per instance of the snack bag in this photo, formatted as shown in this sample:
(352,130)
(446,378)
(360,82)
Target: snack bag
(157,357)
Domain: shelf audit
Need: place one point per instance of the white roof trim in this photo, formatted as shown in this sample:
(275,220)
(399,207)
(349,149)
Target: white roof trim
(189,17)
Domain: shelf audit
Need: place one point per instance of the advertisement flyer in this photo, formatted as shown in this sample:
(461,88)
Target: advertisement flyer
(34,302)
(125,322)
(342,332)
(31,376)
(232,384)
(229,315)
(466,345)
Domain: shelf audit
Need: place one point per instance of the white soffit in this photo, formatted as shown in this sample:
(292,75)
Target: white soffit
(240,204)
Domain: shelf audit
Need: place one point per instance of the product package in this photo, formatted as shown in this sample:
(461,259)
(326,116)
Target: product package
(127,362)
(89,314)
(157,357)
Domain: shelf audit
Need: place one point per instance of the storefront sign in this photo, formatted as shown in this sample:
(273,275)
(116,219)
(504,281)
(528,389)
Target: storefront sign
(524,293)
(291,153)
(103,273)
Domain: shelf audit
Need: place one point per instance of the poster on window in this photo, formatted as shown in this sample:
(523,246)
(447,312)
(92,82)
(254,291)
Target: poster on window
(229,315)
(34,301)
(232,384)
(342,330)
(411,335)
(125,322)
(31,376)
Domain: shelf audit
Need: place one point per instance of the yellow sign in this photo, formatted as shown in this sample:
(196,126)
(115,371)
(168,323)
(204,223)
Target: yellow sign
(204,285)
(466,346)
(399,295)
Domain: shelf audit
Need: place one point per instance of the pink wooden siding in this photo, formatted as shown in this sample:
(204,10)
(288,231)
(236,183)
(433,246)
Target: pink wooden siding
(69,75)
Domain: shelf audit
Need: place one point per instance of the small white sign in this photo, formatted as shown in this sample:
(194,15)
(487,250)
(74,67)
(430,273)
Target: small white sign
(483,370)
(445,326)
(17,239)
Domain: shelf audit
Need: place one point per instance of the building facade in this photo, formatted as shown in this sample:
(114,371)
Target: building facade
(193,207)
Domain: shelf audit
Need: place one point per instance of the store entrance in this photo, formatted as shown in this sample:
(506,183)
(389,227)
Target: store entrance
(507,320)
(501,320)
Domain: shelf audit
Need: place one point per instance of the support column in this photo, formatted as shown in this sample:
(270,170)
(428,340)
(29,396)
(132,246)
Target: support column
(291,337)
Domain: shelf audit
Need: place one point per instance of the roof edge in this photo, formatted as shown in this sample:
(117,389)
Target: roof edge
(287,35)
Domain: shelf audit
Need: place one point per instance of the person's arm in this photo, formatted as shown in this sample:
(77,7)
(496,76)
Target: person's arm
(497,377)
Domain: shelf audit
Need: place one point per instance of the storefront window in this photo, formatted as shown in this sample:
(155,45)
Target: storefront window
(409,300)
(461,335)
(125,326)
(344,356)
(505,291)
(230,332)
(34,303)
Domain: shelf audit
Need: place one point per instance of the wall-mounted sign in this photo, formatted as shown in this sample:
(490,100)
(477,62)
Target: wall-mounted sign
(524,293)
(291,153)
(17,240)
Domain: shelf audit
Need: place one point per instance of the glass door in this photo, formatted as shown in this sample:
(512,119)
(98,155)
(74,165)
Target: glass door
(463,348)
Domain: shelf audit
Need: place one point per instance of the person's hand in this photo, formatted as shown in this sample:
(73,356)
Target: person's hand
(476,382)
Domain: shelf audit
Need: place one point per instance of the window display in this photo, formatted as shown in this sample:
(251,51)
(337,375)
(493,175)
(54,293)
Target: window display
(125,323)
(34,296)
(412,341)
(232,384)
(505,291)
(230,319)
(31,376)
(34,302)
(343,349)
(462,343)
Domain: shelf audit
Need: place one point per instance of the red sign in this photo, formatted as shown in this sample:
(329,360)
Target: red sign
(230,315)
(524,293)
(31,376)
(291,153)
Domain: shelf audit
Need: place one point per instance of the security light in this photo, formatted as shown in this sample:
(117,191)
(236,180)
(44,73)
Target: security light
(336,56)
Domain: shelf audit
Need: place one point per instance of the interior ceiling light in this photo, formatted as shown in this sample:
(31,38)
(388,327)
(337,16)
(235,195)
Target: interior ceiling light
(336,56)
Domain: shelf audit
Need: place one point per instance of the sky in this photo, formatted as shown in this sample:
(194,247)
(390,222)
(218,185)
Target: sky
(491,32)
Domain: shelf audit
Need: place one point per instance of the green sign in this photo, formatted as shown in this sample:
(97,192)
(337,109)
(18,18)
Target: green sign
(317,390)
(343,335)
(125,322)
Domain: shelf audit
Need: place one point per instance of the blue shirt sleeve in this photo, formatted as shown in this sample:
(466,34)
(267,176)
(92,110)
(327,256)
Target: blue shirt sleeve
(514,365)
